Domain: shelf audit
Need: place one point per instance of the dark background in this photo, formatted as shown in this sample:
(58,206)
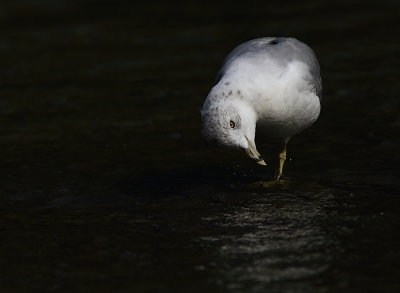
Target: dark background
(106,184)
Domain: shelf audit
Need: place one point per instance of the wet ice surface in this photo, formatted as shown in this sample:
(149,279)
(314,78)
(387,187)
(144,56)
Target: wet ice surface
(107,184)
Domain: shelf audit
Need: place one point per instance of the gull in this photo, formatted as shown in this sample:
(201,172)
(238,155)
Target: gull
(269,86)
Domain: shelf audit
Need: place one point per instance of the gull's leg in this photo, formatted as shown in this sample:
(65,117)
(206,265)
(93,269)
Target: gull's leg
(282,158)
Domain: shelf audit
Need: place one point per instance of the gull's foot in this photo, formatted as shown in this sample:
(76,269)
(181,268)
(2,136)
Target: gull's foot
(274,183)
(282,159)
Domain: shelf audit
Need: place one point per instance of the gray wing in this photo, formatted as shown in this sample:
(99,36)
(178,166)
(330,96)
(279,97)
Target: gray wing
(283,50)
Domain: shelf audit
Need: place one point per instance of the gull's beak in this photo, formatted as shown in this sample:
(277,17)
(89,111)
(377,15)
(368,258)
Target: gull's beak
(252,152)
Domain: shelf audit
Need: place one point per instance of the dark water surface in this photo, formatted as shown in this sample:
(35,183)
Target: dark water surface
(108,186)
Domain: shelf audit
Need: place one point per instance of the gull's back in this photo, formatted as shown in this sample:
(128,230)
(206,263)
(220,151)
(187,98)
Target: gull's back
(272,56)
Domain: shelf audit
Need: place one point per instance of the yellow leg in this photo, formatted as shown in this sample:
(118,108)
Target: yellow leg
(282,158)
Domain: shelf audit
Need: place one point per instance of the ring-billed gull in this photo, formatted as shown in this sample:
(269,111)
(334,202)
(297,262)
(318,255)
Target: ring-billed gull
(272,84)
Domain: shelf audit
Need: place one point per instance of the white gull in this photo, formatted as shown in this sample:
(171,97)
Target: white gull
(269,86)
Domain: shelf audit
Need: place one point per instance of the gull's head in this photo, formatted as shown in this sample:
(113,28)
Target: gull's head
(230,122)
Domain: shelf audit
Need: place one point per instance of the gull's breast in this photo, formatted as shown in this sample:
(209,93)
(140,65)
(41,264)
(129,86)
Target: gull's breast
(287,104)
(289,117)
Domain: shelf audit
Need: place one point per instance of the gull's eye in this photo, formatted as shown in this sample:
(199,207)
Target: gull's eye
(232,124)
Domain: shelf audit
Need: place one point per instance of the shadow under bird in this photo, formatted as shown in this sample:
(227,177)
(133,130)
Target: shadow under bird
(271,86)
